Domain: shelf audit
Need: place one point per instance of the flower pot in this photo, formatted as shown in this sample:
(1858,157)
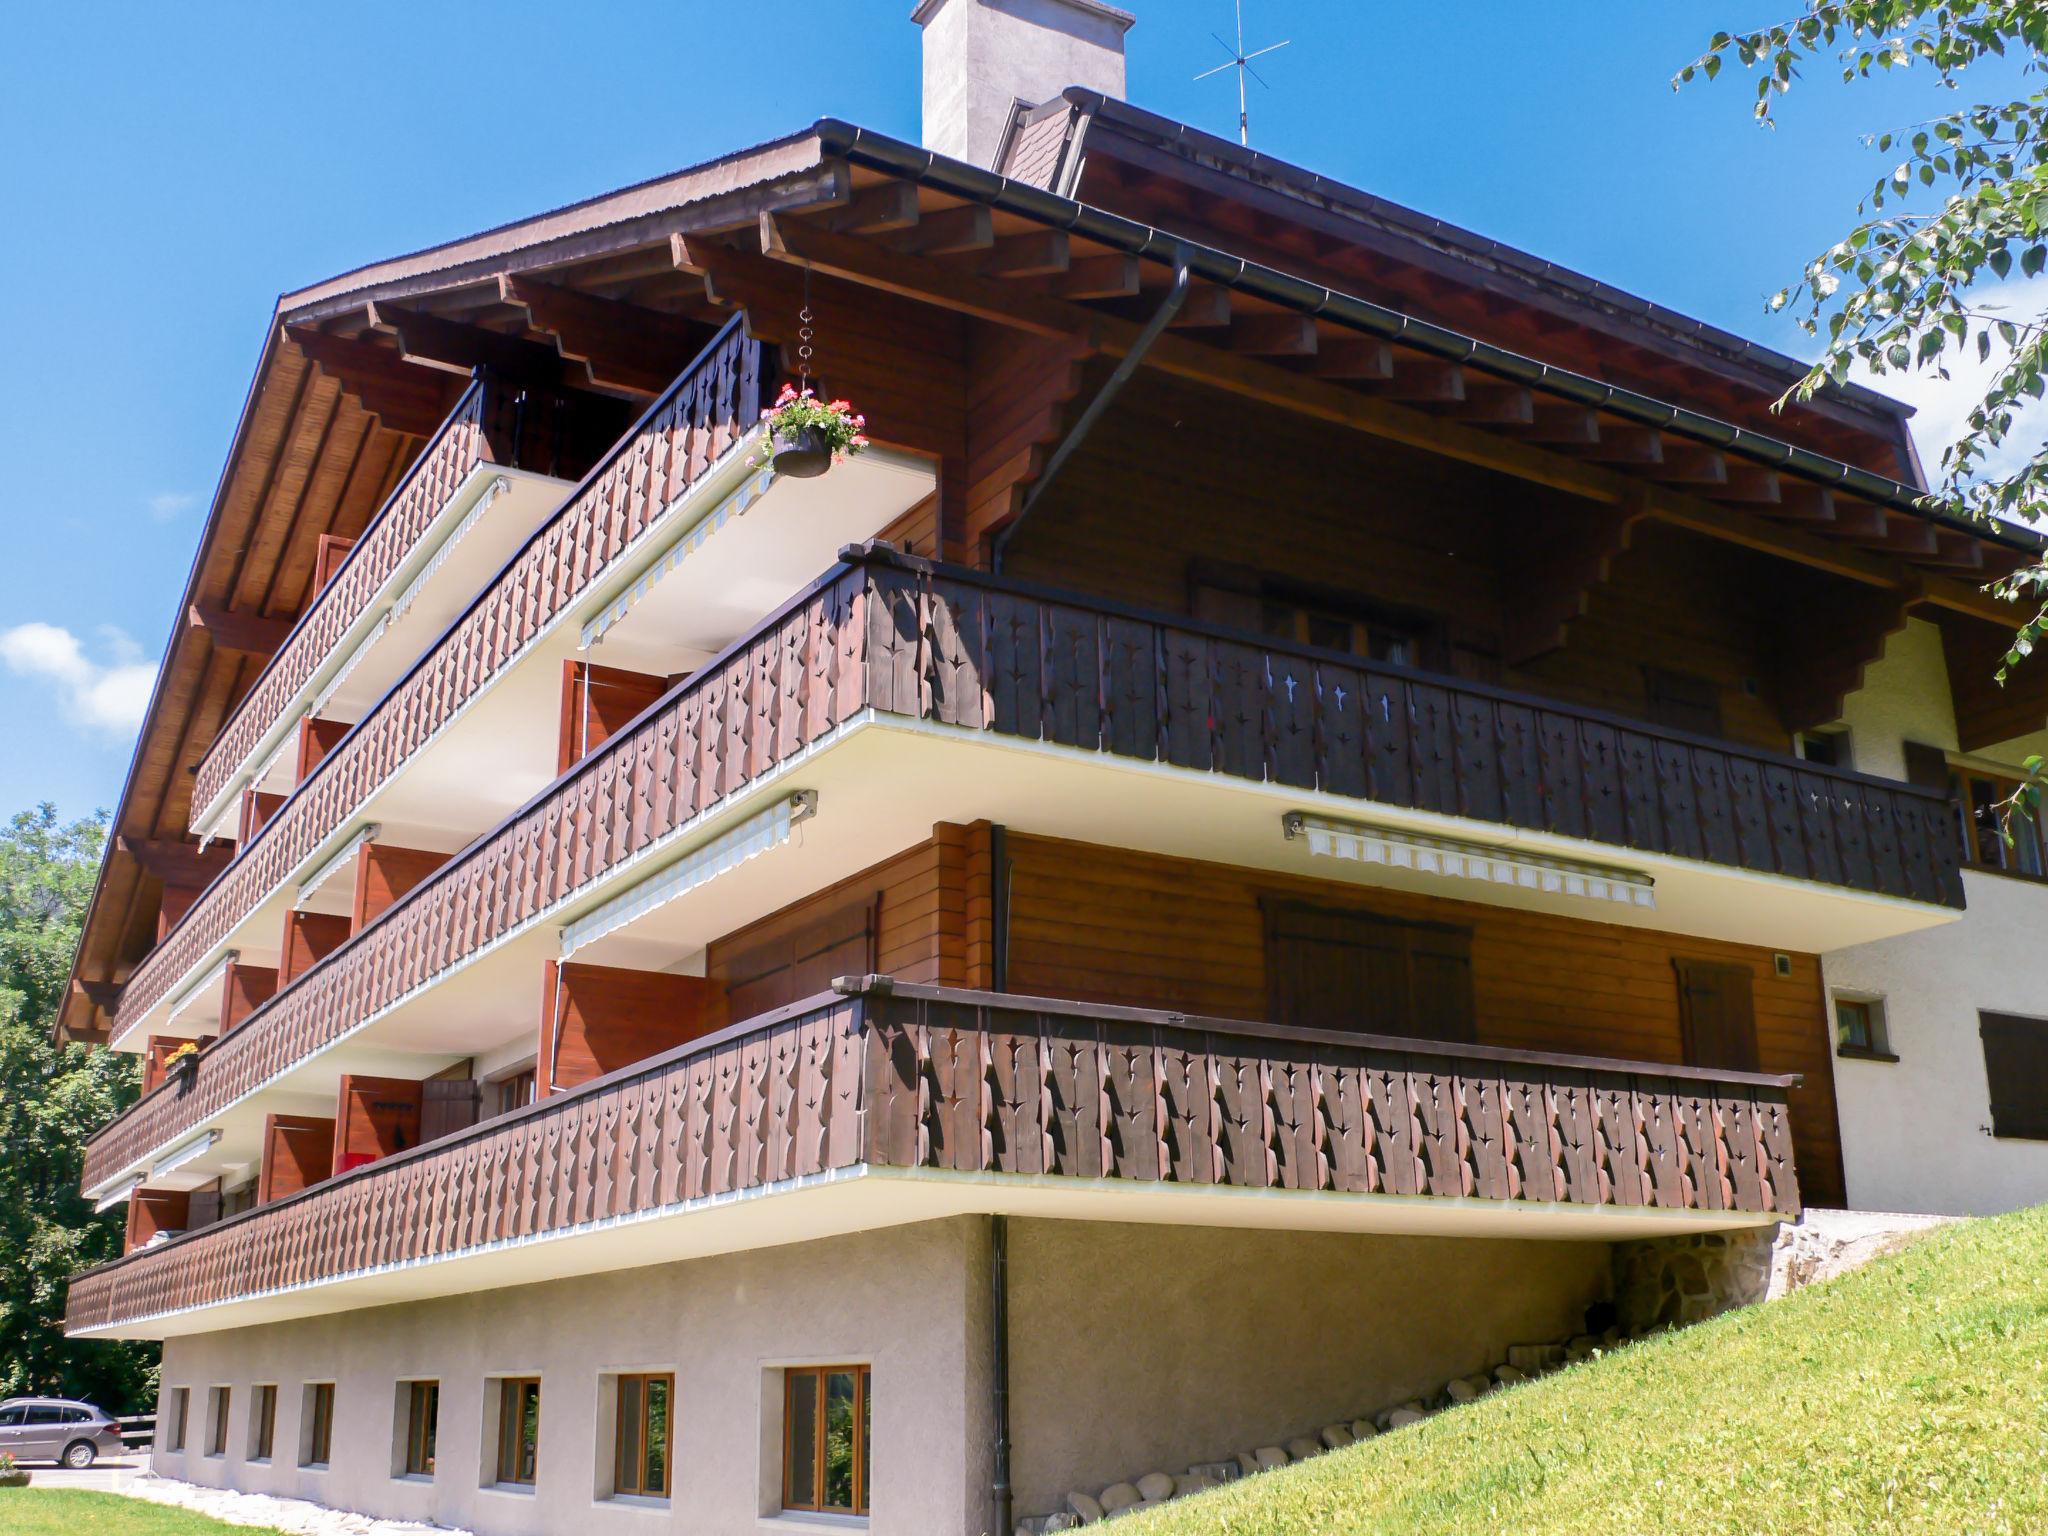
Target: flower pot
(182,1069)
(802,453)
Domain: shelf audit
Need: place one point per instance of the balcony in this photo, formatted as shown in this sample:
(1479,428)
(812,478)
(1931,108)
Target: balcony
(904,695)
(880,1104)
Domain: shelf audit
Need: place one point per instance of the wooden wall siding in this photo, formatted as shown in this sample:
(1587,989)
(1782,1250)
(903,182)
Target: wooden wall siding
(151,1211)
(705,412)
(1168,480)
(597,703)
(1105,925)
(773,695)
(596,1019)
(896,635)
(978,1082)
(317,738)
(309,938)
(455,450)
(1022,385)
(249,987)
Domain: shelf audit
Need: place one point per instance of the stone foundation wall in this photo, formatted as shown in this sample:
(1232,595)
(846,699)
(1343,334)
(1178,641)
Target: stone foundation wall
(1668,1282)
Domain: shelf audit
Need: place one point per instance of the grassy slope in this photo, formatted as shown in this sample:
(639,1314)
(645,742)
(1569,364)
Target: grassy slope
(73,1511)
(1910,1396)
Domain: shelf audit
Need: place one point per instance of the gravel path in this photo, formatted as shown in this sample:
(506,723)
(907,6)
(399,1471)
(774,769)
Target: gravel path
(300,1517)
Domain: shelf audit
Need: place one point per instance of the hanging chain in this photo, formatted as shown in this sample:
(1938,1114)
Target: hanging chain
(803,336)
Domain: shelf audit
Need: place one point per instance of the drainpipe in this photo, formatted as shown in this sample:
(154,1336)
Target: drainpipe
(1154,328)
(999,1362)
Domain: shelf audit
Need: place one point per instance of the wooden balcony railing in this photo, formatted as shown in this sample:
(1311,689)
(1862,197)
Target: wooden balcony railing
(704,414)
(985,1083)
(890,634)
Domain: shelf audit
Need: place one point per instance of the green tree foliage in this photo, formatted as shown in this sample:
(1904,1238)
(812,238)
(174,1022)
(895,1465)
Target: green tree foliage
(1959,215)
(51,1099)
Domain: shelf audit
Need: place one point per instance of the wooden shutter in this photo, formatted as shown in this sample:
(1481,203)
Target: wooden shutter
(1927,767)
(1718,1014)
(1329,968)
(204,1209)
(448,1105)
(2016,1069)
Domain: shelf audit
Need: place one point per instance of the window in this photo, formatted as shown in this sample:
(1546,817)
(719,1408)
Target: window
(825,1455)
(1828,748)
(1339,968)
(1985,843)
(317,1439)
(518,1429)
(1682,701)
(514,1092)
(11,1418)
(1303,614)
(2016,1070)
(641,1460)
(174,1431)
(262,1422)
(422,1420)
(1859,1027)
(217,1422)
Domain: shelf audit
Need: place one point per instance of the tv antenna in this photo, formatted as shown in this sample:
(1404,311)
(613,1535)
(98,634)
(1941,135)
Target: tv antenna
(1242,63)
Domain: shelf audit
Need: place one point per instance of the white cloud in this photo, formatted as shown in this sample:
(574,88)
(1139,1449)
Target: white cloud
(110,698)
(165,505)
(1942,406)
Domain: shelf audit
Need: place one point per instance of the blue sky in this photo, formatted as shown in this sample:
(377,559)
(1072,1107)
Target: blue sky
(172,168)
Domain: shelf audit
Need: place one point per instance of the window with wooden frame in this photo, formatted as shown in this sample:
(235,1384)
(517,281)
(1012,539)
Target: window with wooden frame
(640,1456)
(1342,968)
(180,1409)
(1860,1027)
(217,1421)
(2010,843)
(262,1422)
(1301,613)
(422,1424)
(826,1416)
(2016,1071)
(511,1092)
(317,1441)
(518,1430)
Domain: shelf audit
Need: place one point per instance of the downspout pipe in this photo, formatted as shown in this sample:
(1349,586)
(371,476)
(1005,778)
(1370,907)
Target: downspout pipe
(999,1365)
(1154,329)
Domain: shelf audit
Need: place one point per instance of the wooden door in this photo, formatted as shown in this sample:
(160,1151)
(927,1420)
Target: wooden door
(1333,968)
(1718,1015)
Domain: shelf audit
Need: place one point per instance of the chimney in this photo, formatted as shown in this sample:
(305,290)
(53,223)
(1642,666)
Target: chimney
(982,57)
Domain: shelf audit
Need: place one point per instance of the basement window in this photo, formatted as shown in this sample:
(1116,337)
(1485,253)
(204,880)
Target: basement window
(179,1408)
(217,1400)
(641,1436)
(826,1415)
(316,1421)
(518,1439)
(263,1422)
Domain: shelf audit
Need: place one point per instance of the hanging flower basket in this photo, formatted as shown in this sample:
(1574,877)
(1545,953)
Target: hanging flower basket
(807,436)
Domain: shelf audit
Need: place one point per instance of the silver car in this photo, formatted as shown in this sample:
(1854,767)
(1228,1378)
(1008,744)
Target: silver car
(57,1429)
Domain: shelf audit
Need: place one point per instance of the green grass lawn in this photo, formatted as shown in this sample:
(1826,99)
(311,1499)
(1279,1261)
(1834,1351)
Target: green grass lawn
(1910,1396)
(36,1511)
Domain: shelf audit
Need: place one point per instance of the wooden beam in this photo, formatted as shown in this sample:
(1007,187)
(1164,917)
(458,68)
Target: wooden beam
(1099,277)
(1280,335)
(1749,485)
(1206,307)
(1687,464)
(1353,357)
(621,345)
(174,861)
(1497,405)
(1627,445)
(798,243)
(1038,254)
(435,342)
(887,205)
(1805,502)
(103,995)
(402,398)
(1956,550)
(1859,520)
(1562,561)
(1909,535)
(949,232)
(1564,425)
(1424,381)
(246,634)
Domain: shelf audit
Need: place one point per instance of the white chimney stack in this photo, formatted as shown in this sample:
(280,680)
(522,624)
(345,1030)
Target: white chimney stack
(982,57)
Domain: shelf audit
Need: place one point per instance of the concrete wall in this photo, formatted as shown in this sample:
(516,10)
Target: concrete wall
(910,1300)
(1914,1131)
(1143,1348)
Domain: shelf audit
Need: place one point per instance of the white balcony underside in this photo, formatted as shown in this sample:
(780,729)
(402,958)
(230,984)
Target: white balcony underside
(866,1197)
(882,782)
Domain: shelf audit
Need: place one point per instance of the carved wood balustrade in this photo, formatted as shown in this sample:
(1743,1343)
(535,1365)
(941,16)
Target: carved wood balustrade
(929,1077)
(895,635)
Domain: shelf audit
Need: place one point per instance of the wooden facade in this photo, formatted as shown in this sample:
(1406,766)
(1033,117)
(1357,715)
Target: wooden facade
(928,1077)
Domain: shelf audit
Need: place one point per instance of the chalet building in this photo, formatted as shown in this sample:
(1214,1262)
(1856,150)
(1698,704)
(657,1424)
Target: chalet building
(1320,779)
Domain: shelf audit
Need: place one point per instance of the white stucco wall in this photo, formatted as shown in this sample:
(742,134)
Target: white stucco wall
(1915,1132)
(911,1301)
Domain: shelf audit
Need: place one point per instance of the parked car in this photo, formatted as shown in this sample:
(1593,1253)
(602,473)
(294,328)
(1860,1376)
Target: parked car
(57,1429)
